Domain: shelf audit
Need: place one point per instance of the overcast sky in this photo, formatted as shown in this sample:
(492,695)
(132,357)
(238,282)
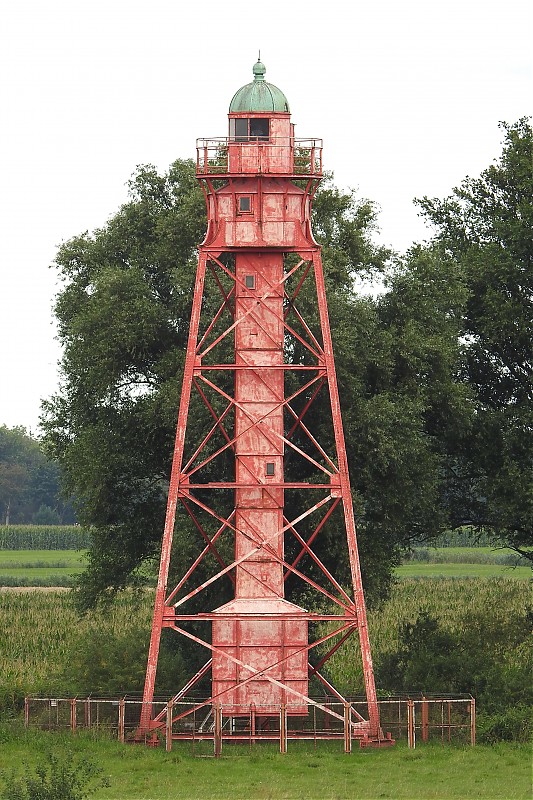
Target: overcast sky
(406,95)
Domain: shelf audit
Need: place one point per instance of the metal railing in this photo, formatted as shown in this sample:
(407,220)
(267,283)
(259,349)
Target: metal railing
(417,719)
(297,156)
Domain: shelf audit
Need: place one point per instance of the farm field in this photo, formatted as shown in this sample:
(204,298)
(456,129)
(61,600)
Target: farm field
(40,555)
(416,569)
(464,562)
(31,567)
(432,772)
(44,649)
(474,553)
(40,564)
(42,630)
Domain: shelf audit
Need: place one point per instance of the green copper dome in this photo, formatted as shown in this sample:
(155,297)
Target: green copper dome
(259,95)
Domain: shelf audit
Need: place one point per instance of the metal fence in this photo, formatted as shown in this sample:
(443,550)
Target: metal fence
(212,155)
(206,728)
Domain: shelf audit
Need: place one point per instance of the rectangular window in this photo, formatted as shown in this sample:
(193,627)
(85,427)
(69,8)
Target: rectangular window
(259,128)
(245,204)
(246,130)
(269,468)
(249,281)
(241,130)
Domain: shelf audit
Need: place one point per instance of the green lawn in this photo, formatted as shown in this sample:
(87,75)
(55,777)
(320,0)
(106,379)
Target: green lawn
(40,564)
(45,564)
(465,553)
(416,569)
(431,772)
(30,558)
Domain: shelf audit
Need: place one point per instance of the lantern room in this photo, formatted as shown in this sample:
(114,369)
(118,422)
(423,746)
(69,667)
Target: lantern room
(260,139)
(257,203)
(260,131)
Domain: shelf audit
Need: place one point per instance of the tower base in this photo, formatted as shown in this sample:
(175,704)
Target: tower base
(260,657)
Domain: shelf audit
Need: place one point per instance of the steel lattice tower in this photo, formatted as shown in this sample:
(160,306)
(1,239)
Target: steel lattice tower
(260,361)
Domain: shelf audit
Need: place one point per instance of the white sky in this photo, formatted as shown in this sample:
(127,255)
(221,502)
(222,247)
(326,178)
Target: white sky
(406,95)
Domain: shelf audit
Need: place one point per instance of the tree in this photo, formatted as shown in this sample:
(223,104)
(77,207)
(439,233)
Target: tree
(485,229)
(29,482)
(123,319)
(123,316)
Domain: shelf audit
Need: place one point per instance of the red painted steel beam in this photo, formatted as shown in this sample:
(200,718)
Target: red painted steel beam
(255,673)
(153,653)
(355,568)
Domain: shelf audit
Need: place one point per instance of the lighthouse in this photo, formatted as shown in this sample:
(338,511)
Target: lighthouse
(258,363)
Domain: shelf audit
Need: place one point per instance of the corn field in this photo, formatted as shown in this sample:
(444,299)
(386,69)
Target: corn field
(40,628)
(44,537)
(457,603)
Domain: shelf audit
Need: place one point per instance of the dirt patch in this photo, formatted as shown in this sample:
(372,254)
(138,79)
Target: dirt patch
(34,589)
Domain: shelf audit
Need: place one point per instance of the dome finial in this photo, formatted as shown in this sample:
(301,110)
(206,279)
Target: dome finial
(259,69)
(259,95)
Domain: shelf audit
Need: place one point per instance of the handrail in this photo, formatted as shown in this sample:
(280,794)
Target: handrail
(213,155)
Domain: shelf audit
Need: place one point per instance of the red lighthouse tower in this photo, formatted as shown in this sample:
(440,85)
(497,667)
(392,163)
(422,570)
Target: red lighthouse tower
(256,477)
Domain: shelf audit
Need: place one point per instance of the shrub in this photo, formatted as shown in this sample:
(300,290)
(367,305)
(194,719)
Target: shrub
(514,724)
(55,780)
(428,659)
(106,659)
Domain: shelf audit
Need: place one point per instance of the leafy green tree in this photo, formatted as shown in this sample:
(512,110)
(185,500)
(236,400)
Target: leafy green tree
(485,229)
(405,412)
(123,319)
(28,479)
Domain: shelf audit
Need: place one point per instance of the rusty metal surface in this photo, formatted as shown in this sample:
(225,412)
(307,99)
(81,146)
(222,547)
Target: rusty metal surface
(259,257)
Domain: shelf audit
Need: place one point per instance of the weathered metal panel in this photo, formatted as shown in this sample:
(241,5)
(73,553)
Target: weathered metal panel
(272,646)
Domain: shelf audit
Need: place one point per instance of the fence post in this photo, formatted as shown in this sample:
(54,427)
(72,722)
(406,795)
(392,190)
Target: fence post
(347,727)
(73,715)
(252,724)
(26,712)
(425,720)
(168,726)
(218,730)
(472,722)
(283,728)
(87,713)
(121,716)
(411,741)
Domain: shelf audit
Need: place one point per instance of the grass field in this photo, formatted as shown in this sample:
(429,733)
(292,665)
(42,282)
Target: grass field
(416,569)
(431,772)
(28,559)
(33,567)
(42,631)
(472,552)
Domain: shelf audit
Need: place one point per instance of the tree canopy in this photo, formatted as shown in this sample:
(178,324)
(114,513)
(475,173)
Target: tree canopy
(485,228)
(433,388)
(29,482)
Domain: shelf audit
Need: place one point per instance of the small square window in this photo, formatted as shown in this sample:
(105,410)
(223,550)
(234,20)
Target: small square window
(241,130)
(270,468)
(249,281)
(245,204)
(259,128)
